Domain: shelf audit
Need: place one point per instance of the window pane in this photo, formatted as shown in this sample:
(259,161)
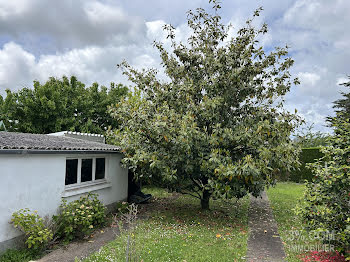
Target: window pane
(100,168)
(71,171)
(86,170)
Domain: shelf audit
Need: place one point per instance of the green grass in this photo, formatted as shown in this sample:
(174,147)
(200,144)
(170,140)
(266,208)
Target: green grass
(174,228)
(284,198)
(17,255)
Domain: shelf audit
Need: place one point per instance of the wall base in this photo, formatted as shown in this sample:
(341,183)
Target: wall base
(17,242)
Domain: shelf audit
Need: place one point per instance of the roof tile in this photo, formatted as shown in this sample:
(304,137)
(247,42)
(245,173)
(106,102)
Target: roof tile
(25,141)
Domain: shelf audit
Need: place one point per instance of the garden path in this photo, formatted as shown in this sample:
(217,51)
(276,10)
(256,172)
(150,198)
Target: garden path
(264,243)
(81,249)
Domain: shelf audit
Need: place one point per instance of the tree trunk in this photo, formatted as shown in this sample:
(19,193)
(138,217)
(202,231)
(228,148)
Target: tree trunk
(205,199)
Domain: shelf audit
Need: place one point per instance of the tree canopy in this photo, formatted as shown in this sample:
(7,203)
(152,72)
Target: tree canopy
(60,104)
(216,126)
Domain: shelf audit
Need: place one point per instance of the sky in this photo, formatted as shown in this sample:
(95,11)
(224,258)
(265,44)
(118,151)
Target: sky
(88,38)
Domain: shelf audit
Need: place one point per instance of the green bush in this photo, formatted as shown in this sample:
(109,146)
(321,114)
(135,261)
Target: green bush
(326,203)
(79,218)
(37,234)
(307,155)
(17,255)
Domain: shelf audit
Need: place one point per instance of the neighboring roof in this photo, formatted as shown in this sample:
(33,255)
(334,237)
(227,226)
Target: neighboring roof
(62,133)
(85,136)
(11,142)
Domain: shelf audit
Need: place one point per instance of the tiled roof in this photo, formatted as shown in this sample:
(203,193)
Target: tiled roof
(36,142)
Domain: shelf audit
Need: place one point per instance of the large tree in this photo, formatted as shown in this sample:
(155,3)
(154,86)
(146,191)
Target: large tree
(60,104)
(216,126)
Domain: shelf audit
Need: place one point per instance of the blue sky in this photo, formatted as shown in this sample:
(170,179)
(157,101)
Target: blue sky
(88,38)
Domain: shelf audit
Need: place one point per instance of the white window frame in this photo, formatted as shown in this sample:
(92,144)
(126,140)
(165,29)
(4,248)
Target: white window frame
(80,184)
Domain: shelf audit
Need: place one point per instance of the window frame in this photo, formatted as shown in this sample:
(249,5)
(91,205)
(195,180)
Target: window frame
(93,181)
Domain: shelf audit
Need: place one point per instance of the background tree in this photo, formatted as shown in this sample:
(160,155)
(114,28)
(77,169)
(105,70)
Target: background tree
(308,138)
(60,104)
(218,126)
(2,126)
(342,106)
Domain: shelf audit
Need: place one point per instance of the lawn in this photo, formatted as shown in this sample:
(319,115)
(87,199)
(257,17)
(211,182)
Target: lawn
(174,228)
(284,198)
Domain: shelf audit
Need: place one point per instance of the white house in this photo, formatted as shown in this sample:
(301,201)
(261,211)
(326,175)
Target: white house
(37,171)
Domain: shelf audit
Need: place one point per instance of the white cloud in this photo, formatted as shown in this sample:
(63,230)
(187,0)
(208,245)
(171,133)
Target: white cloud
(308,82)
(88,38)
(16,66)
(317,32)
(69,24)
(155,30)
(10,8)
(342,80)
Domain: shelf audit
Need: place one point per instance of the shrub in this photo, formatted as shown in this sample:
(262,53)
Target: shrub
(37,234)
(79,218)
(326,205)
(307,155)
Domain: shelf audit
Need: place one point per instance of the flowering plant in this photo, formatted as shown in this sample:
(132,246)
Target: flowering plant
(78,218)
(323,257)
(37,234)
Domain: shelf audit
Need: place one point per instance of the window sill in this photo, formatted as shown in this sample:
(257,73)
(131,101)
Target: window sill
(85,188)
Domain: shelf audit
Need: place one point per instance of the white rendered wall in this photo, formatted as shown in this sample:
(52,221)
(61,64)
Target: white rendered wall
(37,182)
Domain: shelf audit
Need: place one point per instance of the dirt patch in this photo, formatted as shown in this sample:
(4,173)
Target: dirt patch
(83,248)
(156,204)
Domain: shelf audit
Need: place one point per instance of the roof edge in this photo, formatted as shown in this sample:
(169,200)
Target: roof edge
(41,152)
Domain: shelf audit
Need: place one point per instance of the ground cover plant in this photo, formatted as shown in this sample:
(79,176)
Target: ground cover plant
(174,228)
(18,255)
(218,127)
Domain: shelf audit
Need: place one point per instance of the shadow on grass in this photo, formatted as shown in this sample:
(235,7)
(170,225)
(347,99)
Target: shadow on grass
(172,227)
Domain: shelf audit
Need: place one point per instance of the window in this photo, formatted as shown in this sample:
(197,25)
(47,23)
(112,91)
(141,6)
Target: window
(82,170)
(86,170)
(71,171)
(100,168)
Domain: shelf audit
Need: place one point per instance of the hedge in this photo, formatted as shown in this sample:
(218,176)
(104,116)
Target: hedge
(307,155)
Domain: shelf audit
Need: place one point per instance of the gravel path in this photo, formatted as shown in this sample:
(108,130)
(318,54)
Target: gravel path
(264,243)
